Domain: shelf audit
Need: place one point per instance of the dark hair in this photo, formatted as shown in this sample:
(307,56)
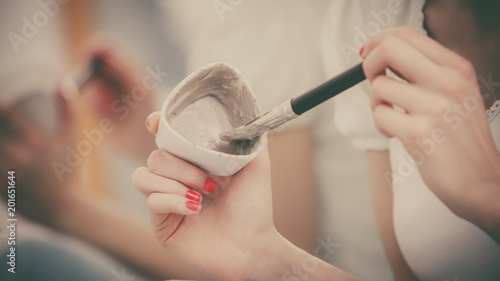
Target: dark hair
(486,12)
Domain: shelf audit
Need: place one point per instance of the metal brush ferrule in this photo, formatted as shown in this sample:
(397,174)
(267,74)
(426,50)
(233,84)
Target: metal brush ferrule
(268,121)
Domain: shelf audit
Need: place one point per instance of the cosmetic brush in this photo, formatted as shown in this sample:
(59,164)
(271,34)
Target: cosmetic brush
(289,110)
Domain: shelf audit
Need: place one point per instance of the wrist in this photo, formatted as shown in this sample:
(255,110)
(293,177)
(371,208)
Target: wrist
(489,215)
(486,206)
(271,258)
(279,259)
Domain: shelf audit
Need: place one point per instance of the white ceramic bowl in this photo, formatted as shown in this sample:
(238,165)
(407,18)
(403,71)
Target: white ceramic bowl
(211,161)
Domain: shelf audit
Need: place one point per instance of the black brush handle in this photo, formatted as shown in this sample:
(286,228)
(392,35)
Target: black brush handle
(328,90)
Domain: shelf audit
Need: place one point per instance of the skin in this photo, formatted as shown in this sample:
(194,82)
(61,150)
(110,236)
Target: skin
(452,24)
(438,79)
(110,96)
(294,208)
(225,223)
(27,151)
(70,207)
(425,101)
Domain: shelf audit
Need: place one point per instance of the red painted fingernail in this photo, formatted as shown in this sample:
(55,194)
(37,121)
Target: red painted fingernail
(361,50)
(147,120)
(210,186)
(193,206)
(193,195)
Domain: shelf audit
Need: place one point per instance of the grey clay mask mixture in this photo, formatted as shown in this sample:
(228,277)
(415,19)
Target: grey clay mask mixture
(214,102)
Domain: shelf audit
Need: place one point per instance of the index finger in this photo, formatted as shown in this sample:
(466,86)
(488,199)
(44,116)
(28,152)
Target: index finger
(424,44)
(169,166)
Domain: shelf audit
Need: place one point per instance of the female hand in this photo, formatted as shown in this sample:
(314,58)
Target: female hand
(120,90)
(218,226)
(444,127)
(120,86)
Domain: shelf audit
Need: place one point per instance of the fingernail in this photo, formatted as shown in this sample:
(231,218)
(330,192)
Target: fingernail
(147,119)
(193,206)
(361,50)
(209,186)
(193,195)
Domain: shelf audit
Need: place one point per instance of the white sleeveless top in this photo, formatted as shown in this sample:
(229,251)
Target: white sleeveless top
(436,243)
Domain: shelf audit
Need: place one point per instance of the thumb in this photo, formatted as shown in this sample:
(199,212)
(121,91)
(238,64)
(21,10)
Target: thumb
(152,122)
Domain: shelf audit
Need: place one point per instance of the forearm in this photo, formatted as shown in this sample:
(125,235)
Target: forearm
(123,234)
(283,261)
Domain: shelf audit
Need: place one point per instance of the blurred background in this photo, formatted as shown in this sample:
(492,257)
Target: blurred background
(77,80)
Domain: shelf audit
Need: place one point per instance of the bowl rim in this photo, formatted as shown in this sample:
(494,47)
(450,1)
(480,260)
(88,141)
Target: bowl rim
(258,146)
